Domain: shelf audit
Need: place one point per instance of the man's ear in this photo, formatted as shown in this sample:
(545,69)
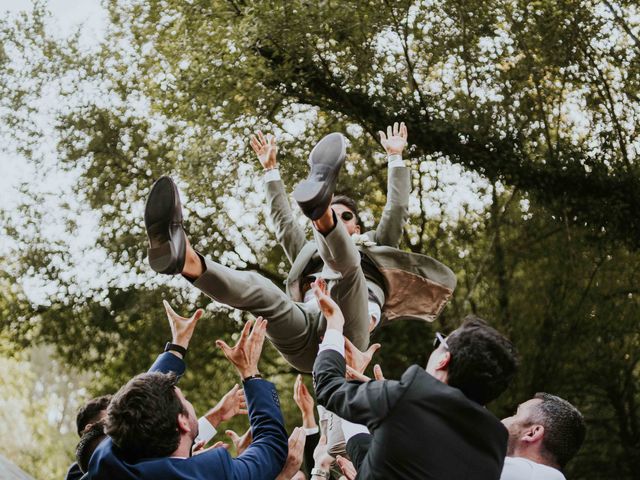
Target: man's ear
(533,434)
(183,423)
(357,229)
(444,361)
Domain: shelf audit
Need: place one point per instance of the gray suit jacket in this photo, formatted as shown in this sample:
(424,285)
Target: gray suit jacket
(416,286)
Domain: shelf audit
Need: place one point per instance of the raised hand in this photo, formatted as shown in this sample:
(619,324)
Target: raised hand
(355,358)
(347,468)
(321,456)
(353,374)
(246,353)
(266,150)
(240,442)
(395,140)
(296,454)
(181,328)
(328,307)
(304,400)
(232,404)
(198,448)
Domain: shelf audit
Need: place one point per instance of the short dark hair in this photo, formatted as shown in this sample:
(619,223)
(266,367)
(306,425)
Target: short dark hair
(483,361)
(142,418)
(564,427)
(348,202)
(91,411)
(88,443)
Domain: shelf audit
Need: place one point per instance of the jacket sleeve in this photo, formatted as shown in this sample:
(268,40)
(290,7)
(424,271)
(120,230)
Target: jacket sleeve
(168,362)
(265,457)
(366,403)
(309,446)
(288,232)
(396,210)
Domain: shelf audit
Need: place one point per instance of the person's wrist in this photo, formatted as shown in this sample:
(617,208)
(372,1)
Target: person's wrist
(308,420)
(339,326)
(182,341)
(270,166)
(214,416)
(319,472)
(248,372)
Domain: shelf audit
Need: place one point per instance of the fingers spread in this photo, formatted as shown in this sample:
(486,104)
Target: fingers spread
(374,348)
(197,315)
(403,130)
(169,310)
(377,372)
(226,349)
(383,137)
(245,330)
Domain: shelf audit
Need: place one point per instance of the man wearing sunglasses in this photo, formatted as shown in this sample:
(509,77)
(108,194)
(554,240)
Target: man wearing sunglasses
(431,423)
(382,283)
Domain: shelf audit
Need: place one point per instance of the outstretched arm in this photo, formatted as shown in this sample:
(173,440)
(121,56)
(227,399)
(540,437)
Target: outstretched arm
(364,403)
(182,329)
(288,232)
(396,211)
(266,455)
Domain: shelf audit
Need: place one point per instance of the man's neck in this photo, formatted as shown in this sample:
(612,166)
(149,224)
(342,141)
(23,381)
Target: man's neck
(184,447)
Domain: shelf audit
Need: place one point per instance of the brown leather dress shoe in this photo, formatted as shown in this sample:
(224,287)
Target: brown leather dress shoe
(163,220)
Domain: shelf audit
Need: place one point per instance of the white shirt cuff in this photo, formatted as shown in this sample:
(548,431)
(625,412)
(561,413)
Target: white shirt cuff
(311,431)
(333,340)
(206,431)
(271,175)
(395,161)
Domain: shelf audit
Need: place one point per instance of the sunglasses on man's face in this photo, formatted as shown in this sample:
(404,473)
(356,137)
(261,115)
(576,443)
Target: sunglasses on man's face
(440,339)
(347,216)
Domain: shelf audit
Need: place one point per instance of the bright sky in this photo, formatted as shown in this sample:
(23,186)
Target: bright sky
(67,17)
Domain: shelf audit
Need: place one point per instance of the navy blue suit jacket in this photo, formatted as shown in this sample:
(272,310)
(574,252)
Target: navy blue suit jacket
(264,459)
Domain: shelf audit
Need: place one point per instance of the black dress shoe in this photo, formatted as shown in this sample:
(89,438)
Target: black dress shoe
(314,194)
(163,220)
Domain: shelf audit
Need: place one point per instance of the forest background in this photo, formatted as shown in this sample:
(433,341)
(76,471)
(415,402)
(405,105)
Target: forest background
(523,119)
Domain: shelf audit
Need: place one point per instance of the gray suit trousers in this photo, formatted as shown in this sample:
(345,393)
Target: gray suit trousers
(294,328)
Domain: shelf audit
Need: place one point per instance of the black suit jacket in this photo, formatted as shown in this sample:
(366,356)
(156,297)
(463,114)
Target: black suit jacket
(421,428)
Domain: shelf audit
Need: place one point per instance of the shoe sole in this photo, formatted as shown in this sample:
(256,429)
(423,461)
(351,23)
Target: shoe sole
(157,214)
(307,192)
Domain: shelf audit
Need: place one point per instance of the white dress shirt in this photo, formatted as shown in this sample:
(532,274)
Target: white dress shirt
(518,468)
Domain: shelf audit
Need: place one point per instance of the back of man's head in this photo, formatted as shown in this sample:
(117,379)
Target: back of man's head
(91,412)
(142,418)
(89,441)
(564,428)
(483,361)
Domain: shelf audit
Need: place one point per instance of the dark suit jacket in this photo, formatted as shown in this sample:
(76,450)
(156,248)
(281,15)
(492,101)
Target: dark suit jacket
(421,428)
(264,459)
(74,472)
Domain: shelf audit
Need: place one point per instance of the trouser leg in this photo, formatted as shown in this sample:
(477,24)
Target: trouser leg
(339,253)
(292,328)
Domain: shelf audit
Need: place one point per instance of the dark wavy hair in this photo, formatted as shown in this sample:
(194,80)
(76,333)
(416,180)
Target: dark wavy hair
(564,427)
(483,361)
(91,411)
(88,443)
(142,418)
